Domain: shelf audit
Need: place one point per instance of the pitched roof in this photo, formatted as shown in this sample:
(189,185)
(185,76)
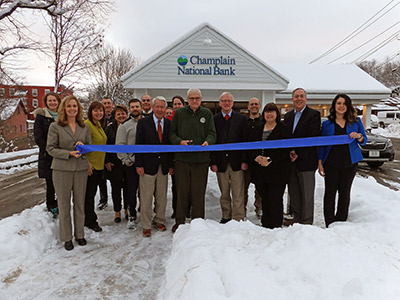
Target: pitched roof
(8,107)
(158,68)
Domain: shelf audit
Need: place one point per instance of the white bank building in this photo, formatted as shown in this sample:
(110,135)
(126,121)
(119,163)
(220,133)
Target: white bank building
(207,59)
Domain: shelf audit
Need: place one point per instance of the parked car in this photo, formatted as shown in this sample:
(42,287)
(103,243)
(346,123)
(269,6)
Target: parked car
(377,150)
(388,117)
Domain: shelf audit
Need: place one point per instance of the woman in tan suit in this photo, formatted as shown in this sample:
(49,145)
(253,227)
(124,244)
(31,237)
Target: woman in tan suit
(70,168)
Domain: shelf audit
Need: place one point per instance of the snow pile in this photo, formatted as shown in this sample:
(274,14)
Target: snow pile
(358,259)
(391,131)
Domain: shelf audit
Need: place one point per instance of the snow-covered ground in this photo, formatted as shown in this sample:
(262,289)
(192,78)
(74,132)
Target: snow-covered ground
(358,259)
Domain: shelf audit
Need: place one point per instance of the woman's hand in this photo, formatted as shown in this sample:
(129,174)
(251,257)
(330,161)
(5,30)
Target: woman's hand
(321,169)
(356,135)
(90,170)
(109,166)
(75,154)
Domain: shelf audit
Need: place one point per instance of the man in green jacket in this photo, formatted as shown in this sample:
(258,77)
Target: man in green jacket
(191,125)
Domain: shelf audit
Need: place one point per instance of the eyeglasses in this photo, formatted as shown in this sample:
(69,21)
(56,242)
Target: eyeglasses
(194,98)
(226,101)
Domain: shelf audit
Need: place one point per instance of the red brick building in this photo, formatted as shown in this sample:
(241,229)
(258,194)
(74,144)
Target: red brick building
(13,116)
(32,95)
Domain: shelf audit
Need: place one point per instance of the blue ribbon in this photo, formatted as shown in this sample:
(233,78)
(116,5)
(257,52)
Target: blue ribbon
(272,144)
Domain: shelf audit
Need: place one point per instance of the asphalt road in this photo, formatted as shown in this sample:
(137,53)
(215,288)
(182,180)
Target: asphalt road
(389,174)
(24,189)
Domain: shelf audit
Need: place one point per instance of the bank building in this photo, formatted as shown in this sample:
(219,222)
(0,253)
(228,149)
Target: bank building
(207,59)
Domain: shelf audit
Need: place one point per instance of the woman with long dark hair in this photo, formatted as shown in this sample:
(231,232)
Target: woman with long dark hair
(43,118)
(338,163)
(96,120)
(270,167)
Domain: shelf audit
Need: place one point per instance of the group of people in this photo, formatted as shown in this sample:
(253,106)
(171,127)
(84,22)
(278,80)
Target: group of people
(60,126)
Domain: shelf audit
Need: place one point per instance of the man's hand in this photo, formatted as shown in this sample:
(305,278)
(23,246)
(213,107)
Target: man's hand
(214,168)
(140,171)
(293,156)
(171,171)
(204,144)
(186,142)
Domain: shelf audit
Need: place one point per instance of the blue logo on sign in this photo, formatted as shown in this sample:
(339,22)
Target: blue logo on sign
(182,60)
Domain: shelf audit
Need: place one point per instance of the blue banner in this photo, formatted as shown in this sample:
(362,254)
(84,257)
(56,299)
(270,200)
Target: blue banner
(272,144)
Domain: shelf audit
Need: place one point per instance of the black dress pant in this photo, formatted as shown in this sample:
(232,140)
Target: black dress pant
(51,201)
(116,186)
(91,190)
(103,189)
(337,180)
(272,203)
(132,187)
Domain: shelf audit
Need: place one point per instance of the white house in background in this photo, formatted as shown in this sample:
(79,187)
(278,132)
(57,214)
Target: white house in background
(207,59)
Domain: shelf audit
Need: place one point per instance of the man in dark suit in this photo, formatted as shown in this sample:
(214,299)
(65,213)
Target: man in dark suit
(231,127)
(153,168)
(304,122)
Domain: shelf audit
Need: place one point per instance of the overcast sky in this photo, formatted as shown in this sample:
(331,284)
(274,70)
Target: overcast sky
(286,31)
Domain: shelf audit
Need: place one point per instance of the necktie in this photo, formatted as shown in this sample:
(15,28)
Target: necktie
(159,130)
(227,117)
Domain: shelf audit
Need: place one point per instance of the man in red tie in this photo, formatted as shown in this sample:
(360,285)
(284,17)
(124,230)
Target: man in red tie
(153,168)
(231,127)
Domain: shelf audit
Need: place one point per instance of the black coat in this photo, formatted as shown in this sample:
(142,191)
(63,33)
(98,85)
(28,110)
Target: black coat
(237,133)
(146,134)
(43,120)
(309,125)
(277,172)
(116,170)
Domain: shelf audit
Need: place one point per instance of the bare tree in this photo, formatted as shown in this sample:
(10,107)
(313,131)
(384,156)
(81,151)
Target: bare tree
(14,34)
(75,36)
(386,72)
(108,64)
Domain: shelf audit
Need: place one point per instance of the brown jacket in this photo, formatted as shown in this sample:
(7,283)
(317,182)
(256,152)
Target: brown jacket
(61,141)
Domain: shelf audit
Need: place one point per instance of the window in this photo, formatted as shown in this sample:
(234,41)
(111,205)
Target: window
(12,91)
(20,128)
(34,93)
(8,128)
(15,128)
(2,92)
(46,91)
(35,103)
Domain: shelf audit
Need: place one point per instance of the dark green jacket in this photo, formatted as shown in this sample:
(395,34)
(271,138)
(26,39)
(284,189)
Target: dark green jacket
(198,126)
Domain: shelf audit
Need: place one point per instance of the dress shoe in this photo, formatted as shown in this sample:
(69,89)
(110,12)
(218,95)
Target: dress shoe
(146,232)
(68,245)
(117,218)
(96,228)
(159,226)
(102,205)
(81,242)
(175,228)
(224,221)
(288,222)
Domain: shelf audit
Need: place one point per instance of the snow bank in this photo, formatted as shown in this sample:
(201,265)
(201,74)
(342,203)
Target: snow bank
(358,259)
(391,131)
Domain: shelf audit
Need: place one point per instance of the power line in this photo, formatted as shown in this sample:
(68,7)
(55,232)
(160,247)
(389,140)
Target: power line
(376,48)
(370,40)
(357,31)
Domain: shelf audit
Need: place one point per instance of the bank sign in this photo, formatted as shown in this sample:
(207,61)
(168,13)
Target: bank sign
(206,66)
